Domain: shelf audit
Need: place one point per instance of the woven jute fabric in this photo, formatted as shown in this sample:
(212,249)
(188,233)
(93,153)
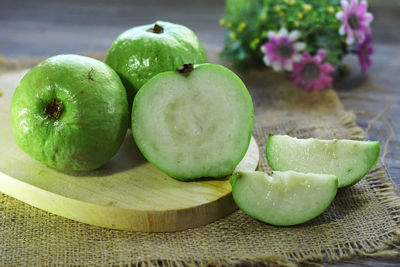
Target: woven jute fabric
(362,220)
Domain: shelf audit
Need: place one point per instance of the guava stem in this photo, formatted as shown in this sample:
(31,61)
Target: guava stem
(186,69)
(54,109)
(156,29)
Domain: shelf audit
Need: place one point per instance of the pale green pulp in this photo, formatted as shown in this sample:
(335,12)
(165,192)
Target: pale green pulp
(347,159)
(194,126)
(285,198)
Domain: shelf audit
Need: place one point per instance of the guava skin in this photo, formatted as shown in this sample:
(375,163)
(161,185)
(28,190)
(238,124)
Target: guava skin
(70,112)
(139,53)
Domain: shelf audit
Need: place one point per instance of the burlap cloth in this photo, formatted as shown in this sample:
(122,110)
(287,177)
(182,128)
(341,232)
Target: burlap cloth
(362,220)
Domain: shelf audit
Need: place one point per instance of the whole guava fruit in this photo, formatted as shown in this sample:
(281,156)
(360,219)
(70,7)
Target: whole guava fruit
(140,53)
(70,112)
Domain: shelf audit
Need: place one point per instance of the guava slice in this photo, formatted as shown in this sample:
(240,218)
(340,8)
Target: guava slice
(193,123)
(285,198)
(349,160)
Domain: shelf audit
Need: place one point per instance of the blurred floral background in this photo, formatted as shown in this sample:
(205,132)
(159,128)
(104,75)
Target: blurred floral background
(307,38)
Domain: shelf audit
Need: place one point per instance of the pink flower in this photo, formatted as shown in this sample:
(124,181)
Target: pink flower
(282,49)
(311,74)
(355,19)
(365,50)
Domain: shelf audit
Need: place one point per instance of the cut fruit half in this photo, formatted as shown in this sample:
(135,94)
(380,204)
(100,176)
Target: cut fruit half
(193,123)
(285,198)
(346,159)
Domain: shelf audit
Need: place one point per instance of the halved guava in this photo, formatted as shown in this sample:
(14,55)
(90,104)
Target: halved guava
(193,123)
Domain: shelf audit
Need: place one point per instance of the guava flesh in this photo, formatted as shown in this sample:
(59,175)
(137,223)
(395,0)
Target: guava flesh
(349,160)
(284,198)
(194,126)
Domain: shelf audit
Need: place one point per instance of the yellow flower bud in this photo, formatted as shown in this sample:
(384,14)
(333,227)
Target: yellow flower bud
(222,22)
(296,24)
(278,8)
(254,43)
(241,26)
(233,36)
(331,10)
(300,15)
(264,34)
(263,16)
(292,2)
(307,7)
(229,25)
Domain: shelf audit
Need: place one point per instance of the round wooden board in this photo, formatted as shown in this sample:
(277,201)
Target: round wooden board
(128,193)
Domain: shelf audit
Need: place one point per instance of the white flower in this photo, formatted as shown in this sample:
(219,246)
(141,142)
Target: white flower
(282,49)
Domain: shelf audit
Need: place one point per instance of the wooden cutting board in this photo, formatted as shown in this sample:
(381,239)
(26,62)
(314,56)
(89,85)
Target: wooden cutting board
(128,193)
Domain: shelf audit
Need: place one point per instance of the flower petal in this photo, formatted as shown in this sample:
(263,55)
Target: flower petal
(266,61)
(350,39)
(262,49)
(276,66)
(324,80)
(299,46)
(339,15)
(367,18)
(362,8)
(296,57)
(341,30)
(288,65)
(294,35)
(271,35)
(321,55)
(327,67)
(360,35)
(345,4)
(353,4)
(364,30)
(282,32)
(270,50)
(306,56)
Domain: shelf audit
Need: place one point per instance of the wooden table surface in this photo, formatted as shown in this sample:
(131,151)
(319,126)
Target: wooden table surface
(44,28)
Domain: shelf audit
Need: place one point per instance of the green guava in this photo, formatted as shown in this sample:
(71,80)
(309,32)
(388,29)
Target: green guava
(70,112)
(194,122)
(144,51)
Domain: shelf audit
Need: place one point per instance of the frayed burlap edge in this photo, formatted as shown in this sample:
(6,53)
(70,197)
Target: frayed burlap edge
(388,246)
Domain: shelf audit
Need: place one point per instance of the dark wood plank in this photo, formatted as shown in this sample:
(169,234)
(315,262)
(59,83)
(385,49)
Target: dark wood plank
(372,94)
(54,27)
